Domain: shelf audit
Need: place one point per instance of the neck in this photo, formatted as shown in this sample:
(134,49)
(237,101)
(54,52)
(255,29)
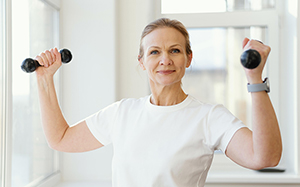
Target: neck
(167,95)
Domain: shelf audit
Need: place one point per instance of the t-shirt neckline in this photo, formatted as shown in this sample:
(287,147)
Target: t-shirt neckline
(170,108)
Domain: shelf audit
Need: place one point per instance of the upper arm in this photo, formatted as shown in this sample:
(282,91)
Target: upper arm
(78,138)
(240,149)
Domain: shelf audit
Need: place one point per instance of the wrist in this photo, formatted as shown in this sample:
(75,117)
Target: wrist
(256,80)
(259,86)
(45,79)
(259,81)
(254,76)
(44,76)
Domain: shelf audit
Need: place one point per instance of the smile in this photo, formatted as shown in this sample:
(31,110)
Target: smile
(166,72)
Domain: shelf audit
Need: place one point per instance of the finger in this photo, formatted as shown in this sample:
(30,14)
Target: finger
(49,57)
(40,60)
(259,41)
(259,46)
(45,59)
(53,56)
(244,43)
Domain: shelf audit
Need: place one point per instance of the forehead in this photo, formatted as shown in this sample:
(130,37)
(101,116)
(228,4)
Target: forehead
(163,37)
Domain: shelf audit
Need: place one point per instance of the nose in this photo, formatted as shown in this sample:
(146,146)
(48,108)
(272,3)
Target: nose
(165,60)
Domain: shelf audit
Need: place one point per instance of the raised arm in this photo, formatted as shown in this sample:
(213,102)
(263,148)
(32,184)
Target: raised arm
(261,147)
(59,135)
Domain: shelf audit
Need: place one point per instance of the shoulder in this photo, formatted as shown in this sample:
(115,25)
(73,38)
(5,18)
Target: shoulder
(210,110)
(204,106)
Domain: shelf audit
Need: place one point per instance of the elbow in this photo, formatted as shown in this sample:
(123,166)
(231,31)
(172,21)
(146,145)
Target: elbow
(270,161)
(271,158)
(54,146)
(268,164)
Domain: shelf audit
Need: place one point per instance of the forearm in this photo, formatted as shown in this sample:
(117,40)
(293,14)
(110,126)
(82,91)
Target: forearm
(267,145)
(54,124)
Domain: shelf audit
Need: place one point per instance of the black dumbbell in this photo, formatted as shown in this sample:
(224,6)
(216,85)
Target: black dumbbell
(29,65)
(250,59)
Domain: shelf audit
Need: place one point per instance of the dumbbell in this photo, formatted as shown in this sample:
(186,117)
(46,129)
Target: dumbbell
(250,59)
(29,65)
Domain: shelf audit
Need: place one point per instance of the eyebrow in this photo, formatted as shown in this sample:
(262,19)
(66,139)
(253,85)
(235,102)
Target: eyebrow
(174,45)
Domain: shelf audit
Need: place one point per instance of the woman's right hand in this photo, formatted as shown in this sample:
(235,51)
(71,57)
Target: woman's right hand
(50,61)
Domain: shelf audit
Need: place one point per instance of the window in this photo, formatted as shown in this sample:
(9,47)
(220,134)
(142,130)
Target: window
(34,29)
(26,159)
(204,6)
(217,29)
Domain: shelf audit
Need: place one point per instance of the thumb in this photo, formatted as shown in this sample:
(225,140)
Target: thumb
(245,41)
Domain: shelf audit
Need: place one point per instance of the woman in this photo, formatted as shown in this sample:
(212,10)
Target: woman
(169,137)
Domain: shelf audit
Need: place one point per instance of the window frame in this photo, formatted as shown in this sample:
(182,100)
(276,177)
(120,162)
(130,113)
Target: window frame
(6,129)
(297,105)
(269,18)
(6,108)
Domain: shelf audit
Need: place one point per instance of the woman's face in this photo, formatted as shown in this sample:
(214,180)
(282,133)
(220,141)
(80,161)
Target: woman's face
(165,58)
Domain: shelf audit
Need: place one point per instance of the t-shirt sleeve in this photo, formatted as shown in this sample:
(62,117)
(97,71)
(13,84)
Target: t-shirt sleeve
(101,123)
(222,125)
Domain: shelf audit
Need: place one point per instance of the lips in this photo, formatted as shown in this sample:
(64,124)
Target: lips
(166,72)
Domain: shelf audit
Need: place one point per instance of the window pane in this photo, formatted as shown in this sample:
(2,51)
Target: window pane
(203,6)
(216,74)
(34,26)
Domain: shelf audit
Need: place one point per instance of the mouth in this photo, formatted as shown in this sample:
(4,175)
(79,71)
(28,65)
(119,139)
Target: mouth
(166,72)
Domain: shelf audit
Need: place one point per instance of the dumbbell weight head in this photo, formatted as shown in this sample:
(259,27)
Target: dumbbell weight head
(250,59)
(29,65)
(66,55)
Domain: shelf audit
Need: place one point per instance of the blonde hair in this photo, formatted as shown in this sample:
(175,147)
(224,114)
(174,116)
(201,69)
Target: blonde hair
(165,22)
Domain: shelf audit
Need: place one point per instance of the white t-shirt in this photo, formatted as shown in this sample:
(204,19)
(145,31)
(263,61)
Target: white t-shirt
(163,146)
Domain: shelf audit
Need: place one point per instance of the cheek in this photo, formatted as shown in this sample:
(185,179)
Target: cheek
(183,62)
(150,63)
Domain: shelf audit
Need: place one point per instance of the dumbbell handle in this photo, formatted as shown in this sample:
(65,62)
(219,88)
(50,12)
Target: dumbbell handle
(250,59)
(29,65)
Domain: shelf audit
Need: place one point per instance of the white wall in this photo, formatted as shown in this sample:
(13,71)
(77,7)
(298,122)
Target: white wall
(133,16)
(88,82)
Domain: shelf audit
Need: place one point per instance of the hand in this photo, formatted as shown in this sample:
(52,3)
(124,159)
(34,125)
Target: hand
(50,62)
(254,76)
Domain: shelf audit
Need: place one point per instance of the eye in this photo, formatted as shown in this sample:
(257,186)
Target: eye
(154,52)
(175,51)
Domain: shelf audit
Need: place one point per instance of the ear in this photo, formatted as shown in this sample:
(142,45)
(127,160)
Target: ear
(141,63)
(190,57)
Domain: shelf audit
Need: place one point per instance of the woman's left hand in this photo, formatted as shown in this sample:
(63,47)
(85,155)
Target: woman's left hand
(254,76)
